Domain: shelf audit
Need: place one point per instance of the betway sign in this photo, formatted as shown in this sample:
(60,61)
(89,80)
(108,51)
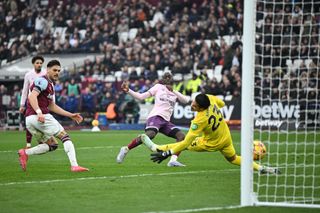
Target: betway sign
(275,115)
(182,114)
(277,110)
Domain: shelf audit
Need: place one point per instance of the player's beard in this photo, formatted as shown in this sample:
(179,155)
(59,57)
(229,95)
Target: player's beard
(38,70)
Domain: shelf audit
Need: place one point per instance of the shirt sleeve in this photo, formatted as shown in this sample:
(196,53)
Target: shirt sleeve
(40,84)
(182,98)
(25,91)
(139,96)
(216,100)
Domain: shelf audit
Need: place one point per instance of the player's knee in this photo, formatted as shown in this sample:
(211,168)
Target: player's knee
(63,136)
(53,147)
(180,136)
(151,134)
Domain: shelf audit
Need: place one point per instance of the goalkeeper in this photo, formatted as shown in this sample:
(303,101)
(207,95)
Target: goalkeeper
(216,136)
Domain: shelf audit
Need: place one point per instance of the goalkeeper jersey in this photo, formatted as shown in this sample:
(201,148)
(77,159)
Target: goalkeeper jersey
(209,124)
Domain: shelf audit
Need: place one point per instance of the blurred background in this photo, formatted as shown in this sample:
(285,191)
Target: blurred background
(102,43)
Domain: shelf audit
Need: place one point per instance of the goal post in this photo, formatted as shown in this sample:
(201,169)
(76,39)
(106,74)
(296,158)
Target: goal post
(281,102)
(248,101)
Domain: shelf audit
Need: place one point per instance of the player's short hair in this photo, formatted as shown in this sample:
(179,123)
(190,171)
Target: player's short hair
(167,78)
(37,57)
(203,101)
(53,63)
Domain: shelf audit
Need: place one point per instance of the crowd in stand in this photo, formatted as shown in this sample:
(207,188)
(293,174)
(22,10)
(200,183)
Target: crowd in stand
(139,39)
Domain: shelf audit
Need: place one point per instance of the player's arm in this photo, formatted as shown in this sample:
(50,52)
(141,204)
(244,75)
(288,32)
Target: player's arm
(24,94)
(182,98)
(33,100)
(195,130)
(58,110)
(136,95)
(216,100)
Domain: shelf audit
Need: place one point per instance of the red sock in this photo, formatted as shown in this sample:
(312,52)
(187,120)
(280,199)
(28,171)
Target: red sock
(28,136)
(134,143)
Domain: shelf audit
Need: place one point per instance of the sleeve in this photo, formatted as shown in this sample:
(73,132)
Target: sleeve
(182,98)
(196,128)
(25,91)
(40,84)
(139,96)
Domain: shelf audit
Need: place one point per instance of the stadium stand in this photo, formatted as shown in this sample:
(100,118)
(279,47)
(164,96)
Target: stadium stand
(202,37)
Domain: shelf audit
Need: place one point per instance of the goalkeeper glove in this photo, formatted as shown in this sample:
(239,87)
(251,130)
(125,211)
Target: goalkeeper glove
(159,156)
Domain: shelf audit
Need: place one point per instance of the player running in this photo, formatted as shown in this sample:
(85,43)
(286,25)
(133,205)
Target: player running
(29,77)
(159,118)
(216,136)
(42,124)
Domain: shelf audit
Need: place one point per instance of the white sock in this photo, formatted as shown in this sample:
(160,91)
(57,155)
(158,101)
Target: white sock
(38,150)
(174,158)
(69,149)
(148,142)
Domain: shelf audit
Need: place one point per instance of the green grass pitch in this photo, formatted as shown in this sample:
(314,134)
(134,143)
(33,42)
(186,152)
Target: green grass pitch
(206,184)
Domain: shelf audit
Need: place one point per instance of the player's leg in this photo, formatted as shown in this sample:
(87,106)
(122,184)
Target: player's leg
(134,143)
(23,122)
(179,136)
(28,138)
(152,128)
(51,127)
(32,125)
(70,150)
(230,154)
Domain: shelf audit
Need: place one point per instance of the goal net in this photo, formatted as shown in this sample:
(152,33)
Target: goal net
(286,93)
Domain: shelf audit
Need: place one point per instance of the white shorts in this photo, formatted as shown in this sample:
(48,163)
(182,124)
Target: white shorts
(43,131)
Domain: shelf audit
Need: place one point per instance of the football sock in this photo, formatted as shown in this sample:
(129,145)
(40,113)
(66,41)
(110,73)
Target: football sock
(174,158)
(134,143)
(256,166)
(237,161)
(38,150)
(28,136)
(69,149)
(146,140)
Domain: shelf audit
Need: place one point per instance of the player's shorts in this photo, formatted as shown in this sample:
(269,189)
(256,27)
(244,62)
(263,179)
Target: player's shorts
(43,131)
(161,125)
(201,145)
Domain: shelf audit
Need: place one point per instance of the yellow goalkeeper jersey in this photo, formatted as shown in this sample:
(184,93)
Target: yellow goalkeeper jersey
(210,125)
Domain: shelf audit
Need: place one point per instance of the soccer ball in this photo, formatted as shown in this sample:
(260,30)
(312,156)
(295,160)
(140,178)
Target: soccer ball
(95,123)
(259,150)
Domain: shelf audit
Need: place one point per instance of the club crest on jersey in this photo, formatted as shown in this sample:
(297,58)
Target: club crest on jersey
(194,126)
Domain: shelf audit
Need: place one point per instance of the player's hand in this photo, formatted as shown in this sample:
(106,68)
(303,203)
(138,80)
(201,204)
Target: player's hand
(160,156)
(40,117)
(125,86)
(77,117)
(22,109)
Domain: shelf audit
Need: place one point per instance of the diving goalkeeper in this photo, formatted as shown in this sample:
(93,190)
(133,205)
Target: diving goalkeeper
(214,131)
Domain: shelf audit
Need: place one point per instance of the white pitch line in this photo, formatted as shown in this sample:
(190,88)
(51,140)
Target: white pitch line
(115,177)
(199,209)
(79,148)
